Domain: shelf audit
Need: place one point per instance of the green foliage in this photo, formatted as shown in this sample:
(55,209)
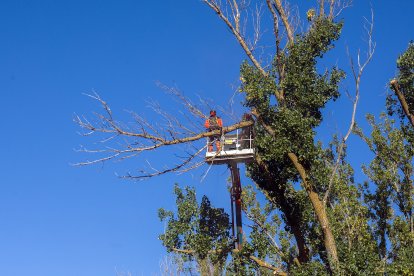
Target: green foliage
(391,201)
(310,268)
(305,90)
(372,223)
(402,255)
(201,230)
(305,93)
(293,118)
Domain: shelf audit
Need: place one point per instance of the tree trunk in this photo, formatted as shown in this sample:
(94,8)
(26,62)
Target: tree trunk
(320,211)
(276,194)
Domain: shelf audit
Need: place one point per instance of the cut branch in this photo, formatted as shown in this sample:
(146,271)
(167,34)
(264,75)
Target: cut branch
(181,167)
(396,88)
(125,142)
(157,141)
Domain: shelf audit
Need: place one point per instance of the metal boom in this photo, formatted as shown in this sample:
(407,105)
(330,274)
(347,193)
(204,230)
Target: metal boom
(236,191)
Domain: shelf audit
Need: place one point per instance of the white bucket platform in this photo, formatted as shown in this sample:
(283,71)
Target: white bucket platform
(235,148)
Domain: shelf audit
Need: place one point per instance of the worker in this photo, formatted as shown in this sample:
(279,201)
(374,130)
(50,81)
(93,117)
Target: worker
(214,123)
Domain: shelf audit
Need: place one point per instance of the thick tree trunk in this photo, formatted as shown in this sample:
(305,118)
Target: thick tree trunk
(403,102)
(277,194)
(292,220)
(320,211)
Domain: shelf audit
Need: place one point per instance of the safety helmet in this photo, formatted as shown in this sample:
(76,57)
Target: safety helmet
(212,113)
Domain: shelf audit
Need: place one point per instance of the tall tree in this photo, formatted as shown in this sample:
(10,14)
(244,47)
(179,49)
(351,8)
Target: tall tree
(316,219)
(390,195)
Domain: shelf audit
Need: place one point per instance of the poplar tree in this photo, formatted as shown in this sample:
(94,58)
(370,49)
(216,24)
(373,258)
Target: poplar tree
(316,220)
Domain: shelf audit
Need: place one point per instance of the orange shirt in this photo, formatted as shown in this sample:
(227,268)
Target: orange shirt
(219,122)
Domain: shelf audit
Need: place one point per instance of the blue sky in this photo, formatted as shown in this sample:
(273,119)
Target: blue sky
(57,219)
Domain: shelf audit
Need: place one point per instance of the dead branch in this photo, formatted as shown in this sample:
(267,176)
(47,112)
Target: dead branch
(147,137)
(256,23)
(280,66)
(233,23)
(396,88)
(278,6)
(357,74)
(184,100)
(157,141)
(337,6)
(331,8)
(235,29)
(321,7)
(275,21)
(180,167)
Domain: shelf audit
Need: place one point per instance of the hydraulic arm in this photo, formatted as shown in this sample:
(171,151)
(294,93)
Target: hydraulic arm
(236,204)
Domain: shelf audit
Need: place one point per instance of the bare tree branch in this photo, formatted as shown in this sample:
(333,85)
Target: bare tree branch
(184,101)
(285,20)
(235,29)
(331,9)
(147,136)
(181,167)
(357,73)
(321,7)
(280,66)
(337,6)
(256,23)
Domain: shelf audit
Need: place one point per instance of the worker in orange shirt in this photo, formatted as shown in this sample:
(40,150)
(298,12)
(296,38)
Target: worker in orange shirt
(214,123)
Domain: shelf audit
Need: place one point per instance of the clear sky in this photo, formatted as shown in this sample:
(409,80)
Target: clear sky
(56,219)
